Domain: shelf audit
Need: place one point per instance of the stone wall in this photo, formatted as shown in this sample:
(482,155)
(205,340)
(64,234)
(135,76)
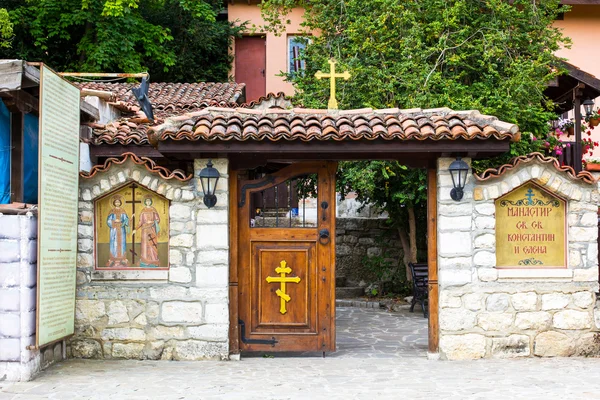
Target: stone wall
(490,312)
(180,314)
(357,238)
(18,281)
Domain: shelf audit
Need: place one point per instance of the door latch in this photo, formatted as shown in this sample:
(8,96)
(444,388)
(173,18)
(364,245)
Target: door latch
(324,236)
(271,341)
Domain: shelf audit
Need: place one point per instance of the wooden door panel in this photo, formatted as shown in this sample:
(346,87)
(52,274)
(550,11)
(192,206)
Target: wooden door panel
(305,319)
(295,309)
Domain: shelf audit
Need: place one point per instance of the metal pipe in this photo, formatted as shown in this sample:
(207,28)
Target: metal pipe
(103,94)
(105,74)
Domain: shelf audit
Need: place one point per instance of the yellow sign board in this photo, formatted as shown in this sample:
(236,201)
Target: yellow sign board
(530,229)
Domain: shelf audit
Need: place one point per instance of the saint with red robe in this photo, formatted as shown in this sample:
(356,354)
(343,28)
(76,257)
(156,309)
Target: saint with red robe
(148,228)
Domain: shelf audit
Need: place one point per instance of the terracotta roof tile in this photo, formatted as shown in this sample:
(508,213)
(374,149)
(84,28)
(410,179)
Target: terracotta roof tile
(492,173)
(174,96)
(150,165)
(171,100)
(242,124)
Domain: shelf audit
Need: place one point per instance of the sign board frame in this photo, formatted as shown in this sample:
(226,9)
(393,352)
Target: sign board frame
(58,207)
(564,226)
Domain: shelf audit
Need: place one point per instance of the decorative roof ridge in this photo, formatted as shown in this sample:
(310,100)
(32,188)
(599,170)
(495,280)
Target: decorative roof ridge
(268,96)
(87,83)
(147,162)
(492,173)
(473,115)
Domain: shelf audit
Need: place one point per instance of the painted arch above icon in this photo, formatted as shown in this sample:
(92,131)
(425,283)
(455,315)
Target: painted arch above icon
(132,229)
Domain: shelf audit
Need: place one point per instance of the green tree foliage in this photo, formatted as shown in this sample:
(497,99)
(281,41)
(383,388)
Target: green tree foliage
(176,40)
(6,29)
(495,56)
(396,189)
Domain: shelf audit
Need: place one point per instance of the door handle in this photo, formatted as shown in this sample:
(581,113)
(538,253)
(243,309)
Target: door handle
(324,236)
(262,71)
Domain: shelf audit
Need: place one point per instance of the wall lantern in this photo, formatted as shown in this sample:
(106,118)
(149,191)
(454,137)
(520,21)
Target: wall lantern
(588,105)
(209,177)
(458,170)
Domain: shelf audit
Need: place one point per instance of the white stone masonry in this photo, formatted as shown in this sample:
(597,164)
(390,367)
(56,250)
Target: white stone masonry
(179,315)
(490,312)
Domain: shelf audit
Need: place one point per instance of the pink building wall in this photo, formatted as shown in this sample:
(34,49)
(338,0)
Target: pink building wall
(582,25)
(277,46)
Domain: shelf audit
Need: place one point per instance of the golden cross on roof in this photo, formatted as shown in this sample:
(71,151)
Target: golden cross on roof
(332,105)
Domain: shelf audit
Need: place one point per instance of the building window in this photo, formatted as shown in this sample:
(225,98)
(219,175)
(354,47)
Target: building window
(296,46)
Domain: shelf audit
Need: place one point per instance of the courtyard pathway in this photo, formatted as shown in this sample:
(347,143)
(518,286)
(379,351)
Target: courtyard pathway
(381,356)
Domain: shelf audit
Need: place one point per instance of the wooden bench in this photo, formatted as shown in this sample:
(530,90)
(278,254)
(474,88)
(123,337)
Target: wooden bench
(420,276)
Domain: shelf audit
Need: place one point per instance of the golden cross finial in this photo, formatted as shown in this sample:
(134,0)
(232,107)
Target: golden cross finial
(332,105)
(282,270)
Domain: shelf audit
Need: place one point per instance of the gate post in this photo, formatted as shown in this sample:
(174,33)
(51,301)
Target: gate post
(432,259)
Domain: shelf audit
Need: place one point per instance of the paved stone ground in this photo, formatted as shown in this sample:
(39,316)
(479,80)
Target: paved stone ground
(377,358)
(367,333)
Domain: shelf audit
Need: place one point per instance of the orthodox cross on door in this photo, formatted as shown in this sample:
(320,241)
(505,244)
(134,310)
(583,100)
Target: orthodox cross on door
(332,104)
(282,270)
(133,202)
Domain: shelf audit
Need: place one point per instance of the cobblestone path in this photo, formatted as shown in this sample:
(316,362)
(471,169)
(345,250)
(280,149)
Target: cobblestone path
(381,356)
(365,333)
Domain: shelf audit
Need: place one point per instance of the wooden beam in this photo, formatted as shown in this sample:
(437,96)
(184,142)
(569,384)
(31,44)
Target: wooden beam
(582,76)
(31,76)
(434,326)
(117,150)
(234,336)
(103,94)
(339,149)
(11,75)
(580,2)
(16,157)
(21,100)
(88,111)
(17,74)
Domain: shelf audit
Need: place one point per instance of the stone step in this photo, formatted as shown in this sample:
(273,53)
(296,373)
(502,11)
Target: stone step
(273,213)
(357,303)
(349,292)
(340,281)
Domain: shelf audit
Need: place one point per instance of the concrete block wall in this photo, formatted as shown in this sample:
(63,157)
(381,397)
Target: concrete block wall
(18,278)
(183,315)
(486,312)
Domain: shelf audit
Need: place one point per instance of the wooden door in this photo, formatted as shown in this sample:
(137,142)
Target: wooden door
(286,270)
(251,64)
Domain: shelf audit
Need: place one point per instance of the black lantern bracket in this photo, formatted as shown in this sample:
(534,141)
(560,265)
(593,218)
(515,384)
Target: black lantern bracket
(459,170)
(209,177)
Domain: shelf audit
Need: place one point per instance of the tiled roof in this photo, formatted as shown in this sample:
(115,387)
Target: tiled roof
(133,128)
(122,131)
(239,124)
(174,97)
(271,100)
(492,173)
(150,165)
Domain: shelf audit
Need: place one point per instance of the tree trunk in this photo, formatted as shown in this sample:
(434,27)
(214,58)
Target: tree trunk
(412,234)
(404,241)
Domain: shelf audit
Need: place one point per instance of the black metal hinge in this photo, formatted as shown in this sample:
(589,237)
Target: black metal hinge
(271,341)
(268,179)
